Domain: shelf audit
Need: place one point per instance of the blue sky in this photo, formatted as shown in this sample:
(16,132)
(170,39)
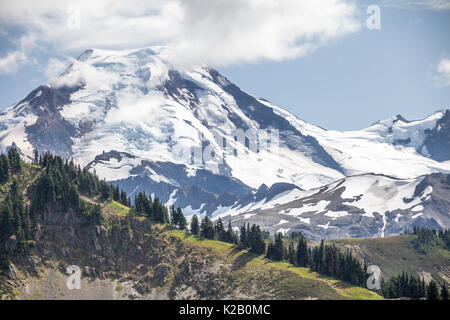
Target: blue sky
(348,81)
(363,77)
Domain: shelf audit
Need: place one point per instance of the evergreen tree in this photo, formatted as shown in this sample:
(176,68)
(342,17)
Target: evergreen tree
(173,216)
(423,288)
(166,219)
(207,228)
(141,203)
(302,253)
(425,239)
(14,160)
(269,253)
(256,242)
(36,157)
(291,256)
(116,193)
(278,248)
(177,218)
(432,291)
(330,260)
(4,168)
(105,191)
(444,291)
(220,230)
(181,219)
(155,210)
(124,198)
(27,224)
(195,228)
(243,238)
(408,286)
(230,235)
(6,221)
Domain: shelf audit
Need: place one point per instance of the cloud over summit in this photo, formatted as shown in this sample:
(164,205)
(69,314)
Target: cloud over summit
(219,32)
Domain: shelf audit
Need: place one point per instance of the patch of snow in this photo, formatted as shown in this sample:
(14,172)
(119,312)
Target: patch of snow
(336,214)
(188,211)
(283,230)
(310,207)
(326,226)
(417,208)
(305,220)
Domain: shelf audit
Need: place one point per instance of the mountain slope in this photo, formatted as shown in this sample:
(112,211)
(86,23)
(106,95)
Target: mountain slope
(151,262)
(194,139)
(138,102)
(396,253)
(358,206)
(395,147)
(124,255)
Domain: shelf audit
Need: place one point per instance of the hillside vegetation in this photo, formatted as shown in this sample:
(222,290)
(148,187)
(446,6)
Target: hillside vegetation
(58,215)
(130,257)
(398,254)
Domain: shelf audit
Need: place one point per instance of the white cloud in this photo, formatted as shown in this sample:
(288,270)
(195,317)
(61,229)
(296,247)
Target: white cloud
(217,32)
(427,4)
(438,4)
(55,67)
(230,31)
(442,75)
(94,78)
(11,61)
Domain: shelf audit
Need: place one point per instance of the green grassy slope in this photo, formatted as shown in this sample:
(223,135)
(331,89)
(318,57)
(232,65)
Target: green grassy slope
(249,270)
(290,282)
(25,178)
(237,274)
(397,254)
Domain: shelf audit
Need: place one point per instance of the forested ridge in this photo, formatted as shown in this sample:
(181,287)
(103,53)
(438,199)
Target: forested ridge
(61,185)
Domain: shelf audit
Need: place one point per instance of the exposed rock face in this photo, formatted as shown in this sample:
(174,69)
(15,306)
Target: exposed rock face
(267,118)
(199,190)
(363,206)
(162,271)
(129,258)
(438,139)
(130,250)
(429,137)
(51,132)
(175,85)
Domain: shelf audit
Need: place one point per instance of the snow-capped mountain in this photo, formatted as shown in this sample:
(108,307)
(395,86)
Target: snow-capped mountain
(394,147)
(365,205)
(196,140)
